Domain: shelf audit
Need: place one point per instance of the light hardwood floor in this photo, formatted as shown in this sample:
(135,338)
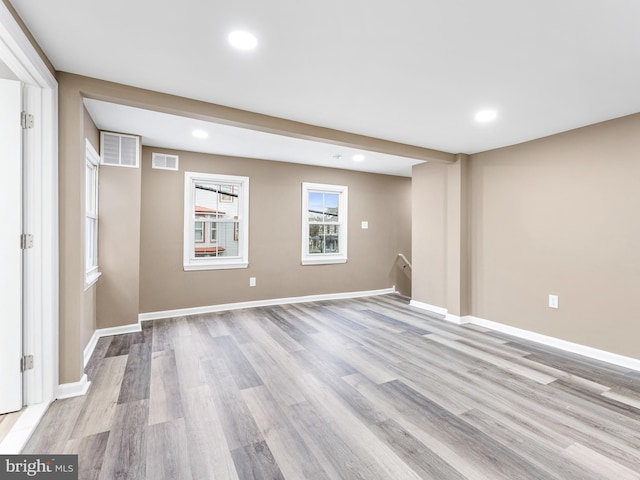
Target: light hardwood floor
(351,389)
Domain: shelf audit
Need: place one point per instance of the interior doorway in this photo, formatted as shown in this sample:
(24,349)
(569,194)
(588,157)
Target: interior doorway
(32,202)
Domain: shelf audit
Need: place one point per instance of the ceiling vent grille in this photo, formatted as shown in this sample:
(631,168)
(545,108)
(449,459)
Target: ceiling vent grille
(119,149)
(164,161)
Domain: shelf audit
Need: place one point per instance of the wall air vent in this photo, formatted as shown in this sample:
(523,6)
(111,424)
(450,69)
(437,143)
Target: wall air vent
(164,161)
(119,150)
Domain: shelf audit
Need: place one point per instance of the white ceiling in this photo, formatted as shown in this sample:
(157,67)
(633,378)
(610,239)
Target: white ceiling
(174,132)
(411,71)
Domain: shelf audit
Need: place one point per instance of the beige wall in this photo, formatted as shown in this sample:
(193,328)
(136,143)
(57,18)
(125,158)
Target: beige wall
(77,308)
(559,216)
(429,234)
(274,235)
(439,235)
(119,246)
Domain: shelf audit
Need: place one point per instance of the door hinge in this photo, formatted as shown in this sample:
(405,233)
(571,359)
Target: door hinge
(26,241)
(26,363)
(26,120)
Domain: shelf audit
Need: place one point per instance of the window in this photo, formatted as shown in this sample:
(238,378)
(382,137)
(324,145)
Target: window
(92,160)
(216,221)
(199,233)
(212,232)
(324,224)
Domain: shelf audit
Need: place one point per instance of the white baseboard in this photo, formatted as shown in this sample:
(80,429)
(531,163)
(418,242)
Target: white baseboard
(449,317)
(590,352)
(143,317)
(75,389)
(21,432)
(107,332)
(429,308)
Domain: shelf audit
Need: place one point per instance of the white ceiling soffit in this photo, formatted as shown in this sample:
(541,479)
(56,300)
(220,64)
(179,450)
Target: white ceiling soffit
(163,130)
(410,71)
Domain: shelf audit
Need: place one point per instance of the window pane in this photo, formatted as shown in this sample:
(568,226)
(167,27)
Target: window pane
(331,207)
(324,239)
(315,239)
(217,209)
(330,239)
(316,206)
(223,241)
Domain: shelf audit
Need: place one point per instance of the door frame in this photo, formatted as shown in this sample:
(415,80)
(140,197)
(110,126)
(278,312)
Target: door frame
(41,269)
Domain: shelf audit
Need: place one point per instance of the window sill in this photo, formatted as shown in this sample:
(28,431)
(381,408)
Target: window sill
(91,278)
(323,260)
(208,266)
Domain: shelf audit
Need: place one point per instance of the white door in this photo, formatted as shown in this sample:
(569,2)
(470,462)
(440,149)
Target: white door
(10,248)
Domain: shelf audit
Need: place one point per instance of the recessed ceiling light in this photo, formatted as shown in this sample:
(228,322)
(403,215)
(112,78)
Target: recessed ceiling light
(242,40)
(486,115)
(358,157)
(200,134)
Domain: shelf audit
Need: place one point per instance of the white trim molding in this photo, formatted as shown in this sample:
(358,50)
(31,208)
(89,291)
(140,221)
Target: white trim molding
(75,389)
(428,307)
(21,432)
(107,332)
(340,226)
(449,317)
(143,317)
(590,352)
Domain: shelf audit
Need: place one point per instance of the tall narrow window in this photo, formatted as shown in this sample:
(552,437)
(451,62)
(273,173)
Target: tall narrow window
(216,221)
(324,224)
(92,160)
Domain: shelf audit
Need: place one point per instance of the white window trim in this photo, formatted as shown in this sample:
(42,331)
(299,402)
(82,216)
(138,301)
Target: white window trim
(215,263)
(325,258)
(92,273)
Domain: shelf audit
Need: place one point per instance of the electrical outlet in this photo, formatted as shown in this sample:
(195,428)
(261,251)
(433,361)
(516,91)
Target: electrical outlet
(365,224)
(252,281)
(553,301)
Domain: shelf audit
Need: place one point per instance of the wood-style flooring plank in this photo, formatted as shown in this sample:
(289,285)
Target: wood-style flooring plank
(90,451)
(98,410)
(137,374)
(125,455)
(293,456)
(366,388)
(208,451)
(165,401)
(167,455)
(255,462)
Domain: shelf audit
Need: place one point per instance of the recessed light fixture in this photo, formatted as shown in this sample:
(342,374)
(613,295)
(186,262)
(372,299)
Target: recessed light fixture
(486,116)
(242,40)
(199,134)
(358,157)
